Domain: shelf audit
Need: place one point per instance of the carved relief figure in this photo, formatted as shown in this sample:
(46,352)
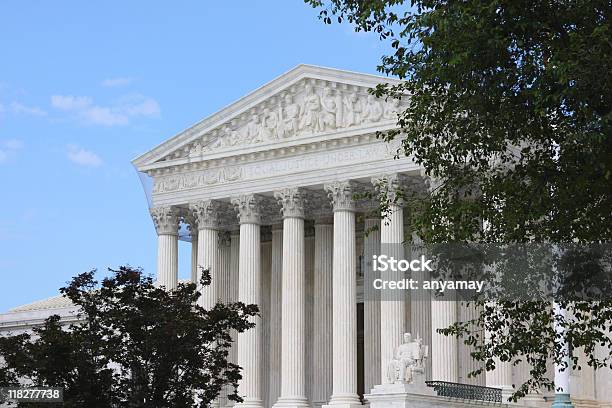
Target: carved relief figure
(409,359)
(252,131)
(309,119)
(327,117)
(352,110)
(391,109)
(372,112)
(288,121)
(270,126)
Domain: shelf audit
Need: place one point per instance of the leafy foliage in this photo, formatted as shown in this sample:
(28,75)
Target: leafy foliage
(134,345)
(509,112)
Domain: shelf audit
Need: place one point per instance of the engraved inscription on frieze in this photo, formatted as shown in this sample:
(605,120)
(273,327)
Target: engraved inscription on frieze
(271,168)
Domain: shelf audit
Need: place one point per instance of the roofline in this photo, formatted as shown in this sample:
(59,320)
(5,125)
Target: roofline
(285,79)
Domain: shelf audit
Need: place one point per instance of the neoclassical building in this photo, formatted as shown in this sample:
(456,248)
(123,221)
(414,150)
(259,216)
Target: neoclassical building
(276,193)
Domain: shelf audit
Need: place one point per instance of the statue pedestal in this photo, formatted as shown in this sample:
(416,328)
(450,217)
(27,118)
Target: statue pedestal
(402,396)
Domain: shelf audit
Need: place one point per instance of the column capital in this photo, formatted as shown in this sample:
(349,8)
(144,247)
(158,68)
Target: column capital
(192,225)
(291,201)
(388,186)
(277,227)
(205,213)
(248,207)
(341,195)
(166,220)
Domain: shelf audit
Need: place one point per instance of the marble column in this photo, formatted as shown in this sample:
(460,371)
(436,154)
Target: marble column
(344,383)
(309,250)
(250,350)
(233,293)
(323,329)
(392,305)
(293,363)
(276,312)
(501,377)
(420,312)
(444,359)
(223,273)
(205,213)
(166,220)
(266,272)
(193,234)
(467,364)
(371,305)
(225,265)
(562,370)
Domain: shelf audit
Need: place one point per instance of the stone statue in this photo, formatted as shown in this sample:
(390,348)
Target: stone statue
(373,110)
(309,119)
(327,117)
(409,359)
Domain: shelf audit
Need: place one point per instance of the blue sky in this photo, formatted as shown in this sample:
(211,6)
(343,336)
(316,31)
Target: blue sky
(85,87)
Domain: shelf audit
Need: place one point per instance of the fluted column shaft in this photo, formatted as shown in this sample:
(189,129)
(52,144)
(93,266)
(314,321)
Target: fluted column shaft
(344,392)
(167,260)
(467,364)
(371,306)
(166,220)
(323,328)
(501,376)
(276,312)
(233,292)
(205,215)
(266,270)
(194,258)
(444,360)
(420,310)
(392,305)
(293,329)
(309,249)
(250,351)
(208,259)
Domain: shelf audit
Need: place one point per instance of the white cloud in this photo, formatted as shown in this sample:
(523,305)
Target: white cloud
(19,108)
(112,82)
(12,144)
(142,107)
(117,114)
(83,157)
(9,148)
(100,115)
(69,102)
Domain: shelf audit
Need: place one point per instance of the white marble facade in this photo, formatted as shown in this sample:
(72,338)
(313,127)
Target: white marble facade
(266,187)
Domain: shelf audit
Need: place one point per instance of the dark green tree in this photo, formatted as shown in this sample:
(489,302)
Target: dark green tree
(134,345)
(508,109)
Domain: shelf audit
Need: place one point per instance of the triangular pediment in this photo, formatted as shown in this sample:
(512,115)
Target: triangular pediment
(303,103)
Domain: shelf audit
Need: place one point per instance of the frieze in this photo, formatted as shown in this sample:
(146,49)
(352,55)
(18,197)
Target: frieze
(271,168)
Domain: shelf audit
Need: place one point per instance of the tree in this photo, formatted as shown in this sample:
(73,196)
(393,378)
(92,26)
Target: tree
(507,107)
(134,345)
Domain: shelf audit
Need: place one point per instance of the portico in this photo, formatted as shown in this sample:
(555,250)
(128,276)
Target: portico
(299,158)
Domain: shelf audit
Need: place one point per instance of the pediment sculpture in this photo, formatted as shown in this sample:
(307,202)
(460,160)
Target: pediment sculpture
(311,110)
